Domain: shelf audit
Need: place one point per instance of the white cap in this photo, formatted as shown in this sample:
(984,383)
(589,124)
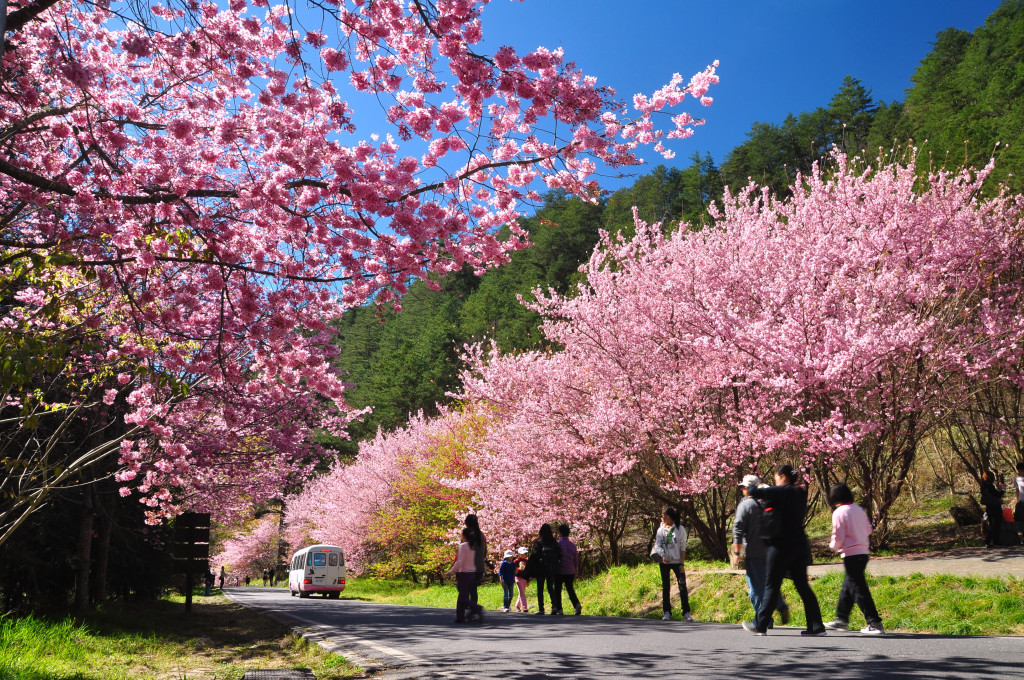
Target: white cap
(750,480)
(509,553)
(523,551)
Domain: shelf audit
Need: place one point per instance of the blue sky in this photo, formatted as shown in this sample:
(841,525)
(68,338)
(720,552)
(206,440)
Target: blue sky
(777,57)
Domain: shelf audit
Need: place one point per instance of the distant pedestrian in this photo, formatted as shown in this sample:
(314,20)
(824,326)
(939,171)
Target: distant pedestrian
(992,500)
(208,582)
(788,554)
(544,564)
(746,531)
(1018,508)
(507,576)
(266,577)
(851,531)
(570,567)
(473,524)
(223,575)
(464,570)
(670,553)
(521,580)
(247,580)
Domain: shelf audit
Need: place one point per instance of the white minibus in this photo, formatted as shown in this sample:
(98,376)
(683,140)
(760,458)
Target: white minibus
(317,569)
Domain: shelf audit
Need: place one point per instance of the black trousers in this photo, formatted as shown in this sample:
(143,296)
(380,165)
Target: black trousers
(855,589)
(995,526)
(666,587)
(569,581)
(792,562)
(554,592)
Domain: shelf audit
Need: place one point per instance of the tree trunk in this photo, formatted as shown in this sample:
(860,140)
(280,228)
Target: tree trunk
(102,550)
(84,553)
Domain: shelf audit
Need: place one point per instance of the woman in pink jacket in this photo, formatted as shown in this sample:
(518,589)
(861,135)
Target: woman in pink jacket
(851,531)
(465,576)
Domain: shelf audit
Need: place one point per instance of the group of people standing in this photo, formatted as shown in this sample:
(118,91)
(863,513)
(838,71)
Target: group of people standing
(992,500)
(552,562)
(770,523)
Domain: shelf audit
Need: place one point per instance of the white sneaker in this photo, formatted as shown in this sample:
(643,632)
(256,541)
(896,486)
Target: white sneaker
(505,609)
(838,624)
(667,616)
(873,629)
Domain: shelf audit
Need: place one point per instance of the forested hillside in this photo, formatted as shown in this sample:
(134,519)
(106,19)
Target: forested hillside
(966,105)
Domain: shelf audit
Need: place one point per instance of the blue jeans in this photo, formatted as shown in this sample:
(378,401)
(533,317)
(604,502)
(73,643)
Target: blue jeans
(757,573)
(508,590)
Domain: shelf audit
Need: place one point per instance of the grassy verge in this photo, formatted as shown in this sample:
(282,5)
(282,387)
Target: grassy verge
(948,605)
(218,640)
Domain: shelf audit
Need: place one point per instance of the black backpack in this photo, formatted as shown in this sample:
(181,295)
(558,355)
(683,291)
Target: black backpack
(551,558)
(771,523)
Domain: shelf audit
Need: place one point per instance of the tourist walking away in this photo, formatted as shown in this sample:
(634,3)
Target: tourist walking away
(670,553)
(507,575)
(464,570)
(208,582)
(481,554)
(746,531)
(521,580)
(570,567)
(266,577)
(992,501)
(223,575)
(788,552)
(851,531)
(1018,508)
(544,565)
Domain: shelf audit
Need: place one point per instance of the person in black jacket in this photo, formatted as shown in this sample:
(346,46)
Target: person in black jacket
(992,500)
(545,565)
(789,554)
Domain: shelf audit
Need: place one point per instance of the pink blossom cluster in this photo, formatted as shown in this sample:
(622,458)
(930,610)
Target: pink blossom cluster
(199,171)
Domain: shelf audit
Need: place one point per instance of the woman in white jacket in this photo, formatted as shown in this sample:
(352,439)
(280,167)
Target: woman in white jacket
(670,553)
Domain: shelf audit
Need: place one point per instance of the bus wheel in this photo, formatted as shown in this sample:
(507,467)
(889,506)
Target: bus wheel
(335,595)
(303,594)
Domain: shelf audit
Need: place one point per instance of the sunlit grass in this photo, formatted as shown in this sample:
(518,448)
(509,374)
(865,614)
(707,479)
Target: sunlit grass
(218,640)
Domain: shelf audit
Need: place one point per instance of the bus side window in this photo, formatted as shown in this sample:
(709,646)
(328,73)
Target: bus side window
(332,559)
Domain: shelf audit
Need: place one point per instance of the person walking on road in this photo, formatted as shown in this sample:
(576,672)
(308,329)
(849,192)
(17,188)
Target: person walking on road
(992,500)
(1018,508)
(507,576)
(788,554)
(746,531)
(670,553)
(464,570)
(521,579)
(544,565)
(851,531)
(570,565)
(480,555)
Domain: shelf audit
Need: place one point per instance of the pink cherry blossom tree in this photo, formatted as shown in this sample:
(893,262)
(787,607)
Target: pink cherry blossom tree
(834,329)
(198,170)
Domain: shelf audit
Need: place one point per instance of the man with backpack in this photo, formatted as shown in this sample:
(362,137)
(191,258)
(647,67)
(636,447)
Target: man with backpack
(746,530)
(788,552)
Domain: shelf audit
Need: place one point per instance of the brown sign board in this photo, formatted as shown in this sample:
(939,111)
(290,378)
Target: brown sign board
(192,519)
(181,566)
(192,551)
(191,534)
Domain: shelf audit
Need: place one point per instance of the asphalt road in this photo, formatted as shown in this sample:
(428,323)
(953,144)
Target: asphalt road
(418,642)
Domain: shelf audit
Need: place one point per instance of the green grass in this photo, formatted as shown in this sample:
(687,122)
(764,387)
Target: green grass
(934,604)
(218,640)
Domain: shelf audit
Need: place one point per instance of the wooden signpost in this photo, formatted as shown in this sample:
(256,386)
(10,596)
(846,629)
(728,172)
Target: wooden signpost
(191,549)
